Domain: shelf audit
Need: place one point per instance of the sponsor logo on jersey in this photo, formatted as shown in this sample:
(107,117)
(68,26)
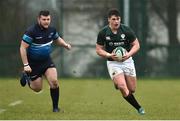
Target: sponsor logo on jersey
(111,44)
(108,38)
(118,43)
(38,37)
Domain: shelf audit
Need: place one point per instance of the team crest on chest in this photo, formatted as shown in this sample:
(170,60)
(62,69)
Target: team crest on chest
(123,36)
(50,35)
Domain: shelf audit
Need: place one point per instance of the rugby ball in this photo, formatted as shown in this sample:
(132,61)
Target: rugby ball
(120,52)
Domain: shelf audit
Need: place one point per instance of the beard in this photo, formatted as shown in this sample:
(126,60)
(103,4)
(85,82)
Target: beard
(45,26)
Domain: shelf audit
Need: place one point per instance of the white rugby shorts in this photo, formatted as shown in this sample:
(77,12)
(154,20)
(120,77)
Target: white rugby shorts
(127,67)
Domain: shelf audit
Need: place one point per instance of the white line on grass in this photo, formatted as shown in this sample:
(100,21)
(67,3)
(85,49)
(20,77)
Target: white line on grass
(16,103)
(2,110)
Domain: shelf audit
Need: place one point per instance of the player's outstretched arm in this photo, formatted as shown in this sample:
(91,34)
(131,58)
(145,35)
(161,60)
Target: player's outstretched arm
(61,42)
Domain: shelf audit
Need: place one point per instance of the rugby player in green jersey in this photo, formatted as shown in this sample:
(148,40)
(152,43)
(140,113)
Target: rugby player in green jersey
(122,72)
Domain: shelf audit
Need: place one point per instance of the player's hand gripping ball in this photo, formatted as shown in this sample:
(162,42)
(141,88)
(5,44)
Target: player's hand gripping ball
(120,52)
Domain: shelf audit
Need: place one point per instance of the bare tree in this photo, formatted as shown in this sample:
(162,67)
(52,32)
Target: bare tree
(167,10)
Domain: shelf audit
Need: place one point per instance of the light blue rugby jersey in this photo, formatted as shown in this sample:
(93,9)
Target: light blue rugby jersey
(40,41)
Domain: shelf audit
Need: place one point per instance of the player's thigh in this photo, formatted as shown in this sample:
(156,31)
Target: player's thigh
(120,83)
(119,79)
(36,84)
(114,68)
(131,82)
(130,75)
(51,76)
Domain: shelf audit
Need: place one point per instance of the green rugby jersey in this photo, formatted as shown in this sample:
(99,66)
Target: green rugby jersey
(110,41)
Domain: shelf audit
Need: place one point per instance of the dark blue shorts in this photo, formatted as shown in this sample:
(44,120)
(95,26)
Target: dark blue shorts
(39,67)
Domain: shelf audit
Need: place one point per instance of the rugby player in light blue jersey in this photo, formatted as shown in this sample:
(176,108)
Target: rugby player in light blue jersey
(35,52)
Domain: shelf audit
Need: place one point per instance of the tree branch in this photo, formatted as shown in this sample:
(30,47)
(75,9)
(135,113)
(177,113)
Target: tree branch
(158,12)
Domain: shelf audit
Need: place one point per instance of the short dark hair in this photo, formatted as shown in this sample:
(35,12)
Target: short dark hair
(44,13)
(112,12)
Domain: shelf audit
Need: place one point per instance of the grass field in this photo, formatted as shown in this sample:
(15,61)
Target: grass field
(94,99)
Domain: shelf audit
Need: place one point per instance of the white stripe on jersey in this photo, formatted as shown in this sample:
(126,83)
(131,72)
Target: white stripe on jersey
(42,45)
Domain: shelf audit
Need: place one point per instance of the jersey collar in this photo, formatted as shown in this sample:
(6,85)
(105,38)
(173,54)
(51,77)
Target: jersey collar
(110,30)
(40,27)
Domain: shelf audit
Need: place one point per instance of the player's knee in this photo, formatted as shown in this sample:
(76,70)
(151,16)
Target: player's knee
(54,84)
(132,91)
(37,89)
(116,86)
(121,86)
(125,93)
(124,90)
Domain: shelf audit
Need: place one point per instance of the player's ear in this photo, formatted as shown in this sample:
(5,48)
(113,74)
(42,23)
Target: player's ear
(109,19)
(38,20)
(120,18)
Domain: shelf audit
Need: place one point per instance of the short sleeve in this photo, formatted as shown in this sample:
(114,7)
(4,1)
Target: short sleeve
(56,35)
(131,35)
(28,37)
(100,38)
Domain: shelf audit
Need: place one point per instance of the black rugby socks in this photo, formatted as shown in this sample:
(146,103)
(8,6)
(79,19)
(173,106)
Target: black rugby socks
(131,99)
(55,97)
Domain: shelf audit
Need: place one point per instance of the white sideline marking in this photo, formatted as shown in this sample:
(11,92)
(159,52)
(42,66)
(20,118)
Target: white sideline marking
(2,110)
(16,103)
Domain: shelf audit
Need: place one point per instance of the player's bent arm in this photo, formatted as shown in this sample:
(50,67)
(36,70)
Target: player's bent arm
(135,47)
(23,52)
(61,42)
(101,52)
